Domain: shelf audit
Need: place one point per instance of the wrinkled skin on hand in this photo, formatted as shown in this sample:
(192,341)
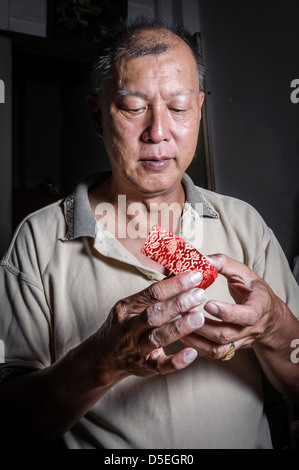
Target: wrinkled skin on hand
(137,329)
(256,315)
(132,339)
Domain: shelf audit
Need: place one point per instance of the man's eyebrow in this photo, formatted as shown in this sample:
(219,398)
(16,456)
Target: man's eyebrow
(130,93)
(180,92)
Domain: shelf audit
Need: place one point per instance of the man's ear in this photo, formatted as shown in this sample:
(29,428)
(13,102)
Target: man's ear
(201,98)
(93,103)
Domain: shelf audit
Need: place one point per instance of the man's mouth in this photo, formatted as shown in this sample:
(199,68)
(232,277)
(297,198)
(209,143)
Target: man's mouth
(156,163)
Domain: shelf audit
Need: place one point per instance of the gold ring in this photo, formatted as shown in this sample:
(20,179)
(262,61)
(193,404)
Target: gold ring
(231,352)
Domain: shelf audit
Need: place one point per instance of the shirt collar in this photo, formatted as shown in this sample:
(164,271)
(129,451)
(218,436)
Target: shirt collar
(80,218)
(194,197)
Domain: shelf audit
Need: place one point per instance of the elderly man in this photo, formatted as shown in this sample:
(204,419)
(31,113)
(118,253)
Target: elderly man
(102,345)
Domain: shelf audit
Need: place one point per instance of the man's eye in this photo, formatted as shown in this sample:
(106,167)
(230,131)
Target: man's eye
(133,110)
(178,111)
(136,110)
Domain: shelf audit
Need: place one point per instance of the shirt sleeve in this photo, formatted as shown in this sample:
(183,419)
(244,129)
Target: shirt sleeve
(274,268)
(25,318)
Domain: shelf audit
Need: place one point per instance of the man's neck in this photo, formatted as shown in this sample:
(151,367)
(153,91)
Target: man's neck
(131,206)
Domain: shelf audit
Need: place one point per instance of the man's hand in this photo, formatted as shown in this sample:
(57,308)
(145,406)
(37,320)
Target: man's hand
(256,316)
(132,339)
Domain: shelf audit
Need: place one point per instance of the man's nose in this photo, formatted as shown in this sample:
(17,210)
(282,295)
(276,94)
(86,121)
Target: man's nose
(157,126)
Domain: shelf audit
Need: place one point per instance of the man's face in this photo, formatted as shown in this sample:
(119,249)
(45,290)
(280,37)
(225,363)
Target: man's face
(151,112)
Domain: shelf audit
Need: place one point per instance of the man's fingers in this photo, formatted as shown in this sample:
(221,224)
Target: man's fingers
(237,314)
(230,268)
(161,312)
(206,347)
(170,332)
(242,281)
(171,286)
(164,364)
(157,292)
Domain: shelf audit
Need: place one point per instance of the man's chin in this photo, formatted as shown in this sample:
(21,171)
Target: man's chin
(156,185)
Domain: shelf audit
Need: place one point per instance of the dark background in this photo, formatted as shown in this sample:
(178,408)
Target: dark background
(252,56)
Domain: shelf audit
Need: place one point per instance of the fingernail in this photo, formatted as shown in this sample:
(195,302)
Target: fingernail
(196,320)
(190,355)
(212,308)
(196,277)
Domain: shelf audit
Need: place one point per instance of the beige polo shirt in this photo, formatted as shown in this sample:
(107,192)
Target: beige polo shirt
(58,281)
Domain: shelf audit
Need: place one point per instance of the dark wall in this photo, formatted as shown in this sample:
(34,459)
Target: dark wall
(54,140)
(252,51)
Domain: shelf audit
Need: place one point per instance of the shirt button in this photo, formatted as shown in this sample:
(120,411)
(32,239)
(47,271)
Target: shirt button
(151,277)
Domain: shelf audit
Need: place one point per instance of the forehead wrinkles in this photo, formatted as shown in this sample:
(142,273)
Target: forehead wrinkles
(139,72)
(176,64)
(146,42)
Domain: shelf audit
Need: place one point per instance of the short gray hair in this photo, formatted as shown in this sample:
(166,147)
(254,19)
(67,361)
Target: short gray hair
(121,41)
